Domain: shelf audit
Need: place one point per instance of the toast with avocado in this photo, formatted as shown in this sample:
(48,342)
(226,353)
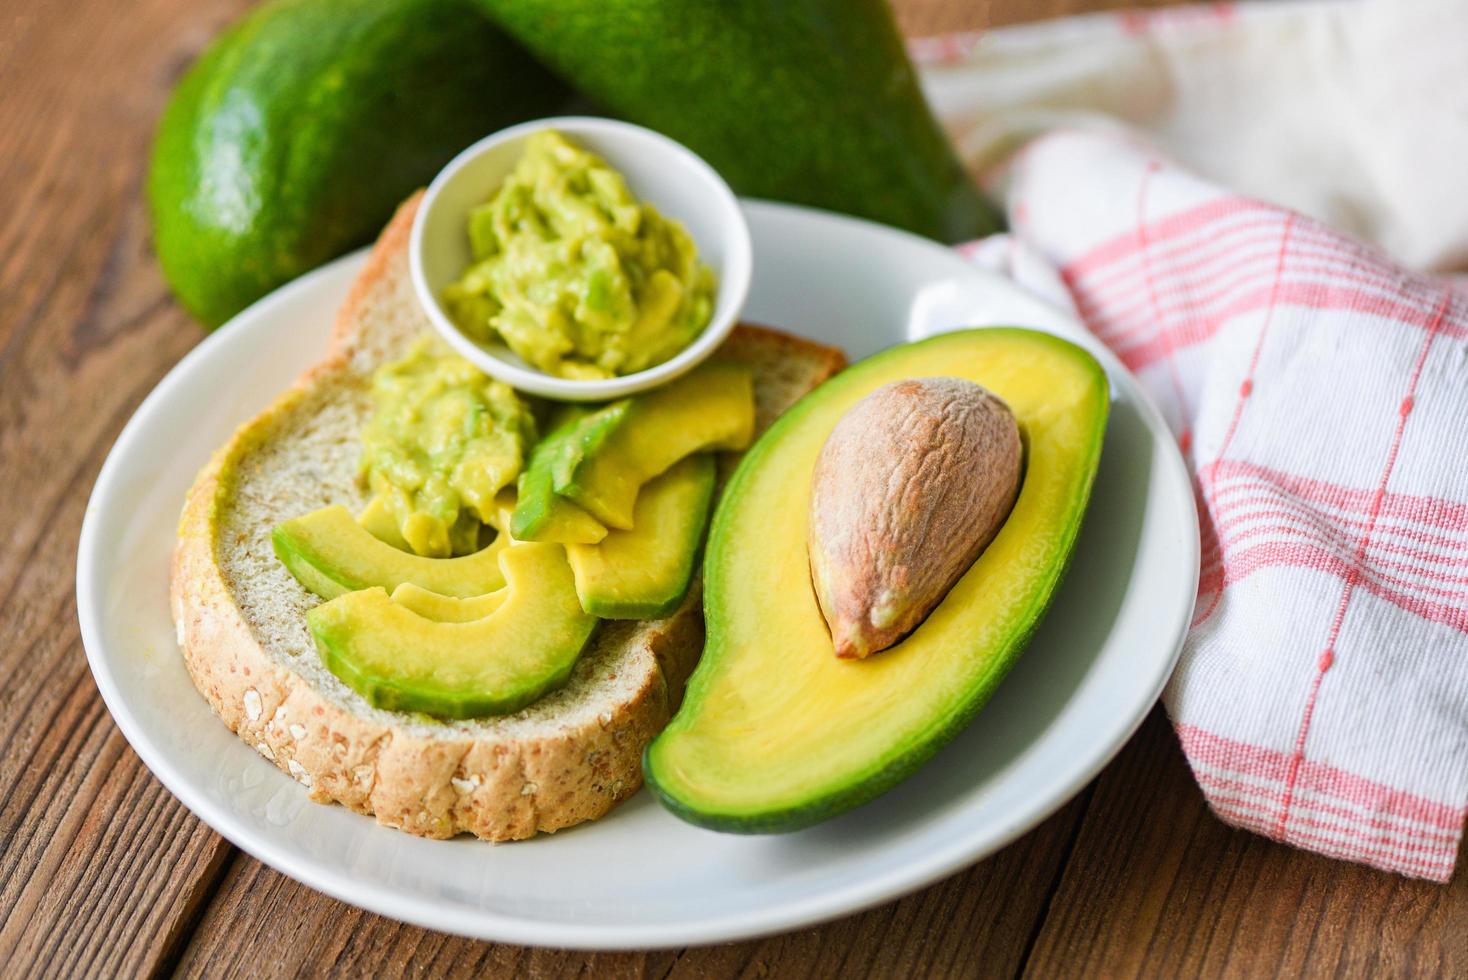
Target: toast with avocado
(567,756)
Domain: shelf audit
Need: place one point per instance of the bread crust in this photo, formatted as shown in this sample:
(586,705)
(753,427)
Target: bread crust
(435,784)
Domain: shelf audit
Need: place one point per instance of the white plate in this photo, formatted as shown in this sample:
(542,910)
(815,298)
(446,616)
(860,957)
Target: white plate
(640,877)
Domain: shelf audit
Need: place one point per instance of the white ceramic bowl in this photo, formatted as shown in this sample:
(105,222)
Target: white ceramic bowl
(658,170)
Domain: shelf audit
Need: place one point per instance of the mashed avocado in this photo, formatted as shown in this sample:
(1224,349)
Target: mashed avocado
(443,439)
(574,274)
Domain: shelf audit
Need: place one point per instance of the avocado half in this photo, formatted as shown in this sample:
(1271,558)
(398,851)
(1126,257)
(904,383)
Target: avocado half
(775,733)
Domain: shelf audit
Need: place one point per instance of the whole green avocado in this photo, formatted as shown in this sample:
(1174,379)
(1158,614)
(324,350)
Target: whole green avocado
(300,128)
(809,101)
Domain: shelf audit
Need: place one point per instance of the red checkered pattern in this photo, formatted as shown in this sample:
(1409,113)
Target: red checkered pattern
(1320,396)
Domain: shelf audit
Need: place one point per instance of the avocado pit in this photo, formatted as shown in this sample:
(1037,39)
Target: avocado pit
(912,484)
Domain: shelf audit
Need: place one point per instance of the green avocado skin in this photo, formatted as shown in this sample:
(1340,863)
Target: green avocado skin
(302,126)
(808,101)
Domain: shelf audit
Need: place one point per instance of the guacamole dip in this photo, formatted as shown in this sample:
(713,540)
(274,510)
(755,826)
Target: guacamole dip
(574,274)
(443,439)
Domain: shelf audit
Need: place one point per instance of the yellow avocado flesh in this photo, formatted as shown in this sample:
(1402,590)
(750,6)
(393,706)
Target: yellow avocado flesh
(775,732)
(377,517)
(402,661)
(330,553)
(378,520)
(447,609)
(644,573)
(442,439)
(710,408)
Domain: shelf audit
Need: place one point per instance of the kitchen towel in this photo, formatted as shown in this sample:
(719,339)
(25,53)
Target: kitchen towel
(1318,389)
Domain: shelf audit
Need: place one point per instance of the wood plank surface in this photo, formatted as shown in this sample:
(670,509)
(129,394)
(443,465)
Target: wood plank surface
(1158,887)
(103,873)
(978,923)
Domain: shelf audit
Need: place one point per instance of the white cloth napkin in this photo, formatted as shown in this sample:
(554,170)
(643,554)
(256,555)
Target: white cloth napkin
(1319,391)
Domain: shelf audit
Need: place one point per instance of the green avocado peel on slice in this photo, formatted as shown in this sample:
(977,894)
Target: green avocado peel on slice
(617,450)
(644,573)
(401,661)
(331,553)
(540,513)
(775,732)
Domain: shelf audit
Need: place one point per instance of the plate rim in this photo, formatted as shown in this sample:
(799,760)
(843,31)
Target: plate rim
(958,853)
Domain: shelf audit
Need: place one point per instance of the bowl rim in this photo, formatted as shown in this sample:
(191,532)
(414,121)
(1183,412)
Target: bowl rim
(732,290)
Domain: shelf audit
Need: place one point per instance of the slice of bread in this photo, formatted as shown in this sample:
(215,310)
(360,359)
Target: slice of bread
(569,757)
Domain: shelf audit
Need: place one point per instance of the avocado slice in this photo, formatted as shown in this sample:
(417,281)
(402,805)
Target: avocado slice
(643,573)
(401,661)
(447,609)
(540,513)
(617,450)
(330,553)
(775,733)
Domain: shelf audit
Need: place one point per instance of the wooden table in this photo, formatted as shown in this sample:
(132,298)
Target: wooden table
(103,873)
